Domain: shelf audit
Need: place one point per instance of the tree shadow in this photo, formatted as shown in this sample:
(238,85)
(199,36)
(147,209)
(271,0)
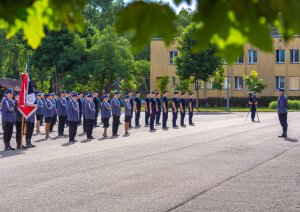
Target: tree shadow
(291,140)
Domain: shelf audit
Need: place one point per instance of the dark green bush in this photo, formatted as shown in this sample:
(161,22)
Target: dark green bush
(292,105)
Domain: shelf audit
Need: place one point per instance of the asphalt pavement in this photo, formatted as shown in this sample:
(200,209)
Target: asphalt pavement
(221,164)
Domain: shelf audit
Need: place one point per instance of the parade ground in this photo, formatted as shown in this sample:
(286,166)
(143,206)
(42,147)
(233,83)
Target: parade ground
(221,164)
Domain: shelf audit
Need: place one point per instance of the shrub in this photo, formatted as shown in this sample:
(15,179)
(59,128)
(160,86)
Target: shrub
(292,105)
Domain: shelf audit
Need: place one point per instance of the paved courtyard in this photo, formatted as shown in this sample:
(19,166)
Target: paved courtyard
(221,164)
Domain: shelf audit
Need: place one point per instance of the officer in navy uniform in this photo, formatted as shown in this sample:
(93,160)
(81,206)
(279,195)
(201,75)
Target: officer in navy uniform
(137,109)
(54,103)
(252,103)
(18,122)
(128,113)
(84,103)
(175,109)
(158,112)
(152,111)
(105,114)
(68,98)
(62,113)
(147,109)
(191,109)
(73,116)
(282,110)
(29,130)
(116,112)
(165,108)
(182,109)
(90,111)
(48,114)
(96,102)
(8,118)
(132,106)
(39,112)
(80,107)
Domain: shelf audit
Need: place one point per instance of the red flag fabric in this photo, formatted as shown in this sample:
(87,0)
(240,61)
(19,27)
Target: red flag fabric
(26,104)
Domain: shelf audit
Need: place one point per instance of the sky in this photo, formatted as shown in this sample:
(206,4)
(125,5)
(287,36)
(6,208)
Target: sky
(177,9)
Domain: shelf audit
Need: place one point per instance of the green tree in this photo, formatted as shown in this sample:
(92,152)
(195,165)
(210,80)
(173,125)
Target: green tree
(163,83)
(142,74)
(184,85)
(196,66)
(218,82)
(254,83)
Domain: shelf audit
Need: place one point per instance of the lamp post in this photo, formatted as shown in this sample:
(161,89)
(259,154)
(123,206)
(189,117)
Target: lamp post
(228,88)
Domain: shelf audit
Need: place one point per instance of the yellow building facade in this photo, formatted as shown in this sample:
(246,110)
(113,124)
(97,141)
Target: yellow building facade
(280,69)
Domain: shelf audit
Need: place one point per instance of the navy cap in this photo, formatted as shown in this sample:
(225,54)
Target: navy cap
(153,92)
(175,92)
(47,95)
(90,96)
(67,92)
(191,93)
(137,92)
(116,92)
(127,97)
(104,96)
(86,93)
(147,92)
(9,91)
(281,89)
(39,94)
(51,94)
(157,93)
(74,94)
(165,91)
(182,93)
(62,92)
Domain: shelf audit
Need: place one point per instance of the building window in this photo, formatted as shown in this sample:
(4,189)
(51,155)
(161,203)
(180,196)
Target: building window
(173,81)
(294,83)
(279,83)
(294,56)
(252,56)
(173,54)
(226,85)
(240,60)
(280,56)
(210,83)
(238,83)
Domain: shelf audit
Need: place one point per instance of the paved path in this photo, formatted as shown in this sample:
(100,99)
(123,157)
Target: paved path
(222,164)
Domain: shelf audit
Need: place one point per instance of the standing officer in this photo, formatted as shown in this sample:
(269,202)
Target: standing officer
(175,109)
(152,111)
(68,98)
(84,103)
(8,118)
(147,109)
(116,113)
(106,114)
(182,109)
(96,102)
(29,130)
(19,118)
(137,108)
(39,112)
(253,102)
(62,113)
(73,116)
(54,108)
(282,110)
(191,109)
(128,113)
(80,107)
(165,104)
(158,112)
(48,114)
(90,111)
(132,105)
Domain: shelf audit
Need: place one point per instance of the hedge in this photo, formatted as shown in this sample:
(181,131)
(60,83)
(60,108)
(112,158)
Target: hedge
(292,105)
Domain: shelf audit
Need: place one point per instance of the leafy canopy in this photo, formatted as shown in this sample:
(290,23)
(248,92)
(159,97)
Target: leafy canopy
(254,83)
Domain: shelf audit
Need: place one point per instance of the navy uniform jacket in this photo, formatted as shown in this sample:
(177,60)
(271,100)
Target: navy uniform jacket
(175,100)
(80,105)
(18,114)
(128,109)
(147,101)
(73,111)
(138,103)
(41,107)
(282,104)
(8,110)
(191,101)
(153,104)
(115,107)
(84,102)
(90,110)
(62,106)
(166,101)
(48,109)
(96,102)
(131,102)
(54,107)
(105,110)
(182,101)
(158,100)
(31,118)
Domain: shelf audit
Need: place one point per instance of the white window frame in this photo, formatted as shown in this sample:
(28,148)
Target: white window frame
(278,54)
(225,86)
(293,56)
(292,85)
(238,86)
(277,84)
(240,60)
(172,55)
(251,56)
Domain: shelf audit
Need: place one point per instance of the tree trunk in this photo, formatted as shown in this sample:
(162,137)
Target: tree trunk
(221,98)
(198,93)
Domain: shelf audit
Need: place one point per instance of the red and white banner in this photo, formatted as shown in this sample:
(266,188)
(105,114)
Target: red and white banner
(27,103)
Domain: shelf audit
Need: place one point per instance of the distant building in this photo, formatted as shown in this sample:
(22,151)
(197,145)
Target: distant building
(280,69)
(8,83)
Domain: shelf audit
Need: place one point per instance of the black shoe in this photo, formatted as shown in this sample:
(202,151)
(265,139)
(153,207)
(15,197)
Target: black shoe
(91,138)
(6,149)
(147,125)
(11,148)
(115,135)
(155,129)
(183,125)
(165,128)
(176,127)
(282,136)
(192,124)
(31,145)
(152,130)
(61,135)
(72,141)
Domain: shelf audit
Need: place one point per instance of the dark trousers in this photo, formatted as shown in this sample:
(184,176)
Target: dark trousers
(147,115)
(72,130)
(84,124)
(131,119)
(61,124)
(7,132)
(253,113)
(115,124)
(152,120)
(283,122)
(137,118)
(182,116)
(191,114)
(80,117)
(96,117)
(174,120)
(165,119)
(29,130)
(53,122)
(18,132)
(158,114)
(89,127)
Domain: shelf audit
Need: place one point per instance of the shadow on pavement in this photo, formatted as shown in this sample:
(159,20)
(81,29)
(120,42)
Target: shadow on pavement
(68,144)
(4,154)
(85,141)
(291,140)
(40,140)
(82,134)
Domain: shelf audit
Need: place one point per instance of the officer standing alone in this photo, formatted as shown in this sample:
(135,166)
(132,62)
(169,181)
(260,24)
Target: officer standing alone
(282,110)
(253,103)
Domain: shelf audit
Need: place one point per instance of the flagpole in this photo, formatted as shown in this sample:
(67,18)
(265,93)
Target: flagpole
(22,131)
